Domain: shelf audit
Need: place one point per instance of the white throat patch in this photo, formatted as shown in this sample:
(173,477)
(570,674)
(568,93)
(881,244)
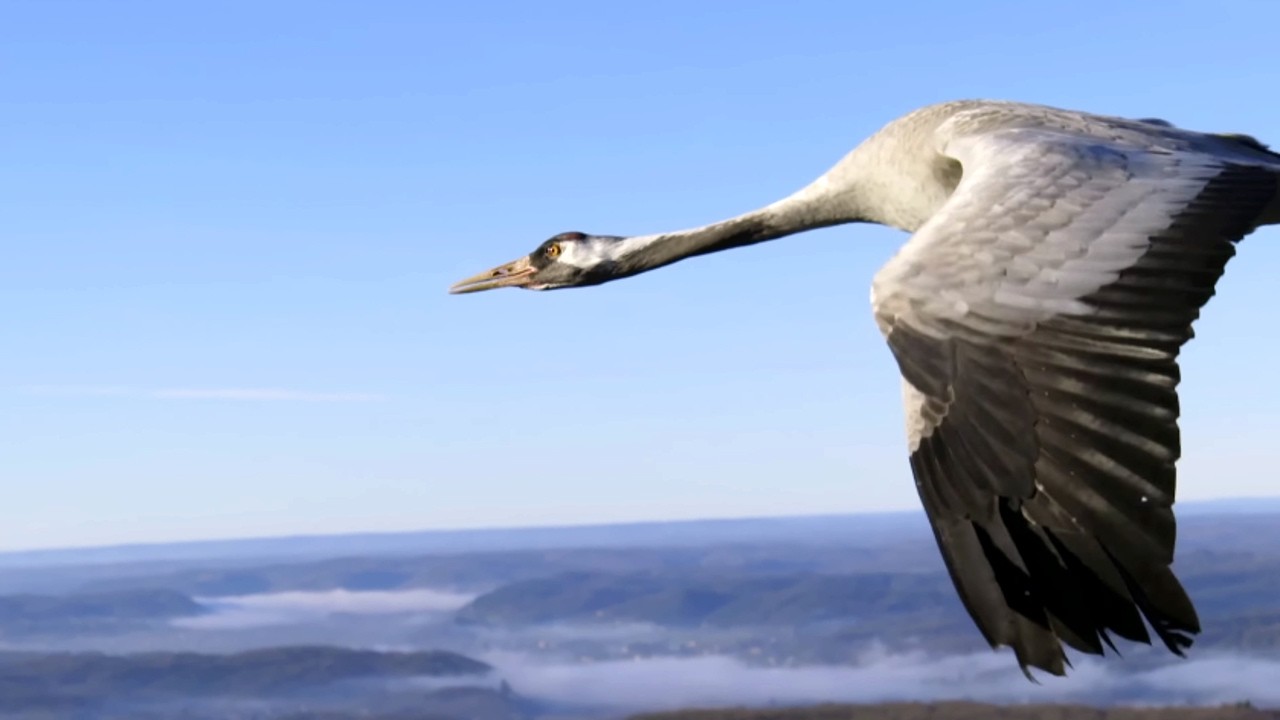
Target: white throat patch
(588,253)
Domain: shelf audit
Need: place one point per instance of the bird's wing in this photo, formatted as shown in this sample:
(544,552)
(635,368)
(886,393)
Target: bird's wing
(1036,319)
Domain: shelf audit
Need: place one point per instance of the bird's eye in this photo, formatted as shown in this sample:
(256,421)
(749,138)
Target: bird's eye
(553,250)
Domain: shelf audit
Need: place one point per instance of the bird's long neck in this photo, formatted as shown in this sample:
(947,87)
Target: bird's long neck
(816,206)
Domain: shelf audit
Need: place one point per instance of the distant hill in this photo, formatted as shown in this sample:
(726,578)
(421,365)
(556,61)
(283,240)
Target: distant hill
(66,681)
(806,593)
(486,570)
(851,528)
(717,600)
(1235,590)
(889,587)
(825,547)
(91,611)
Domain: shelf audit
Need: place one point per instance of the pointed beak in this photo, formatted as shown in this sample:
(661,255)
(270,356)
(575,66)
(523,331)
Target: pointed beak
(513,274)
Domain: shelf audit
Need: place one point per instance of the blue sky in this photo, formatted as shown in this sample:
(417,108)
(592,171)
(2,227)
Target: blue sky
(228,228)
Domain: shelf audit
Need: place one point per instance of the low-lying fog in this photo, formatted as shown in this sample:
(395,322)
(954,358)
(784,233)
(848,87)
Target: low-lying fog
(721,681)
(671,656)
(1204,678)
(541,663)
(289,608)
(401,619)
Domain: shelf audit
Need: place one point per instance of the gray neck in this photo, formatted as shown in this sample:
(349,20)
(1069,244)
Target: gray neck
(816,206)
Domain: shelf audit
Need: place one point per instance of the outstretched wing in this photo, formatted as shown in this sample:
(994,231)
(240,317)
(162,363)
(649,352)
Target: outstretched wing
(1037,319)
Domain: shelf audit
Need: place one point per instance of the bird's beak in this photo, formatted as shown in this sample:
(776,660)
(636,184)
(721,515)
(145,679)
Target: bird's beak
(513,274)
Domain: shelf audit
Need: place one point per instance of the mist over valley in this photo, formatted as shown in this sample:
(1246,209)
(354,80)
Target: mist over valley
(588,623)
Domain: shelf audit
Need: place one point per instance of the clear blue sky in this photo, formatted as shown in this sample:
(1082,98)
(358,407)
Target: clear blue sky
(228,228)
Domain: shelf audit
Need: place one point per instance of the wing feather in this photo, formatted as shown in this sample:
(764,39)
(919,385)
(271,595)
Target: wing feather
(1037,319)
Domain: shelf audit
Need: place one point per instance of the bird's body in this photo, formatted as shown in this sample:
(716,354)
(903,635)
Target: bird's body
(1057,263)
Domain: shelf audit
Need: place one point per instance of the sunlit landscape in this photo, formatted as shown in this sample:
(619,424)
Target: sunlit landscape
(591,622)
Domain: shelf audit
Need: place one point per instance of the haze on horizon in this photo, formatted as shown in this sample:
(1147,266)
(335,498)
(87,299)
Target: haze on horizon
(229,238)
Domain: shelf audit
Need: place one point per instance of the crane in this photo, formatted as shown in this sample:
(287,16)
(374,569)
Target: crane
(1057,262)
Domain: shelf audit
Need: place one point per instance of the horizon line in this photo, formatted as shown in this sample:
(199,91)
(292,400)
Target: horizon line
(156,544)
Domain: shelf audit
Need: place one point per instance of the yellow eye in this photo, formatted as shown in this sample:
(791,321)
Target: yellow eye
(553,250)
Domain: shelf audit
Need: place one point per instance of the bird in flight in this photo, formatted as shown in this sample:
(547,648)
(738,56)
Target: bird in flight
(1056,264)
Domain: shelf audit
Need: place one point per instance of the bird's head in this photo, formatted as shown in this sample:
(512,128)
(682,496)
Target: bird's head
(571,259)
